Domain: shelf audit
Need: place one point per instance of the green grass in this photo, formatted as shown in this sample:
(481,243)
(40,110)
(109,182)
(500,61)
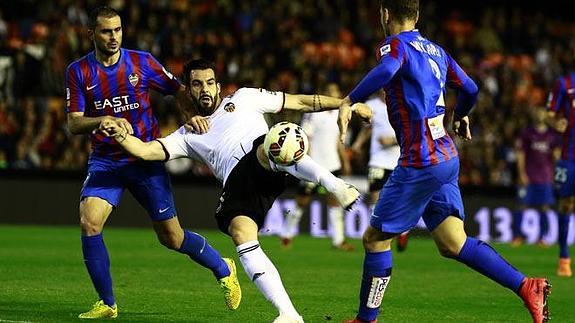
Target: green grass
(43,279)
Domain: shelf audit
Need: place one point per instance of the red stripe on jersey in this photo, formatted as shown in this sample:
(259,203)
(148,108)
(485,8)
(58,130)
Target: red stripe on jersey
(121,84)
(570,114)
(394,48)
(416,149)
(452,77)
(452,148)
(430,145)
(404,123)
(104,81)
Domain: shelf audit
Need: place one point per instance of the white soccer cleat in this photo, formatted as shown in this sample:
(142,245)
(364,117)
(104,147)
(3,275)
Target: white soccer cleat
(282,318)
(346,194)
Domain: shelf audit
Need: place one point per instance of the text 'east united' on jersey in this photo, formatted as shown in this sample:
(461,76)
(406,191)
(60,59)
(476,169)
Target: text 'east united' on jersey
(120,90)
(414,72)
(562,101)
(234,125)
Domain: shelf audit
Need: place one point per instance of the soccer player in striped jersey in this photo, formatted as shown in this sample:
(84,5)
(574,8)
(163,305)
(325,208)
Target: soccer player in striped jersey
(233,149)
(414,71)
(112,83)
(561,113)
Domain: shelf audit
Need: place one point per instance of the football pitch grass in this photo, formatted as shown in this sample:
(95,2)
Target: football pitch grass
(43,279)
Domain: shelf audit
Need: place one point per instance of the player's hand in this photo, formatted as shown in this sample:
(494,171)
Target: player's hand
(363,111)
(343,118)
(561,125)
(461,127)
(198,124)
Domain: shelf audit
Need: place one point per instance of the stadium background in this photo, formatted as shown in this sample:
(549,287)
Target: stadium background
(513,52)
(513,49)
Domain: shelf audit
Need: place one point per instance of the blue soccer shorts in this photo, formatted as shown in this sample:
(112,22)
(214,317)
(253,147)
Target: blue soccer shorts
(565,178)
(149,183)
(535,195)
(410,193)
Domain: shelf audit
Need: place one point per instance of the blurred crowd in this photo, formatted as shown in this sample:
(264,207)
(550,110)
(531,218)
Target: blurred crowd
(298,46)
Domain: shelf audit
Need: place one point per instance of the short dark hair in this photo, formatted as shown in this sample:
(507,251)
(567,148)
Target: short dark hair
(103,11)
(196,64)
(402,9)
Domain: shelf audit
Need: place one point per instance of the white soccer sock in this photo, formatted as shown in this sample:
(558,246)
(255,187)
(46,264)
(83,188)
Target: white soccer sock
(265,276)
(335,215)
(307,169)
(291,222)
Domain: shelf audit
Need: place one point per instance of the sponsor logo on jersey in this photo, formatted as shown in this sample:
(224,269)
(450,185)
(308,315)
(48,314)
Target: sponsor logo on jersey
(230,107)
(133,78)
(118,103)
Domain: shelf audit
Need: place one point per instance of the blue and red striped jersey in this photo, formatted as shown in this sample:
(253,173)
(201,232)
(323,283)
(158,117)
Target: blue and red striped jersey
(414,72)
(561,100)
(120,90)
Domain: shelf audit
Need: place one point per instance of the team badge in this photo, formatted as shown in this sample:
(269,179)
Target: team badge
(133,78)
(230,107)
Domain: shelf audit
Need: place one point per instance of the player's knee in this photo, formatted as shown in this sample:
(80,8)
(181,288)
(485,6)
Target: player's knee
(170,240)
(90,226)
(448,250)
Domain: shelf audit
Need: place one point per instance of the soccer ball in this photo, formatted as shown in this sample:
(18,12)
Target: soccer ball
(285,143)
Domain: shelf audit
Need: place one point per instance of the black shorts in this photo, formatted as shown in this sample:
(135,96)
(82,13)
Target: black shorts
(377,177)
(250,190)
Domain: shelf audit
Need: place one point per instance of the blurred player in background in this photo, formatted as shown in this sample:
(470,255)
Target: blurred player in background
(383,154)
(326,149)
(414,71)
(561,106)
(537,148)
(233,149)
(112,84)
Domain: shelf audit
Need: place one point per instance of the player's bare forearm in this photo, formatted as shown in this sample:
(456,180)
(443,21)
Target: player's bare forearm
(79,124)
(152,150)
(311,103)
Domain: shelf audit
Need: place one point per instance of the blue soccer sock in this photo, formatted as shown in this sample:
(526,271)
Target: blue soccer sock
(563,233)
(481,257)
(198,248)
(376,276)
(516,227)
(97,262)
(543,224)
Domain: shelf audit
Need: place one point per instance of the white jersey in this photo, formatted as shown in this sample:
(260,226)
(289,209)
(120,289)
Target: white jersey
(234,125)
(323,134)
(381,156)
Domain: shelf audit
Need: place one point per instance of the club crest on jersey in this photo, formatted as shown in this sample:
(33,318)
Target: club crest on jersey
(230,107)
(133,78)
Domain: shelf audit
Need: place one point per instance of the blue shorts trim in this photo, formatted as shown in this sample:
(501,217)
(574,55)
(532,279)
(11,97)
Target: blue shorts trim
(410,193)
(565,178)
(536,195)
(149,183)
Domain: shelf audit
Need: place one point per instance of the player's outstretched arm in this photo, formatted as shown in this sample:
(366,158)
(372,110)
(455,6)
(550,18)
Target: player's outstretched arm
(79,124)
(310,103)
(152,150)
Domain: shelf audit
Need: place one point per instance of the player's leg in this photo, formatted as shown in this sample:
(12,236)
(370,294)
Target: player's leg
(401,202)
(293,217)
(566,207)
(543,224)
(101,192)
(307,169)
(335,215)
(522,200)
(258,267)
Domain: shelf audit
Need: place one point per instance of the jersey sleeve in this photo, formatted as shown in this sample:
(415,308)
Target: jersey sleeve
(175,145)
(262,100)
(391,56)
(556,96)
(159,78)
(75,100)
(465,86)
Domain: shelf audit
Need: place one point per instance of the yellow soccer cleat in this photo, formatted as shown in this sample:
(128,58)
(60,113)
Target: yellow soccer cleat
(100,311)
(231,286)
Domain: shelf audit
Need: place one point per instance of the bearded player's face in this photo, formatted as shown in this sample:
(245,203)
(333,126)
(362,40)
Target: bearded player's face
(107,35)
(204,89)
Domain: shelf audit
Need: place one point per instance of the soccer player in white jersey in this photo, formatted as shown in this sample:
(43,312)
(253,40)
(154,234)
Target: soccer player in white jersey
(233,149)
(384,152)
(326,149)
